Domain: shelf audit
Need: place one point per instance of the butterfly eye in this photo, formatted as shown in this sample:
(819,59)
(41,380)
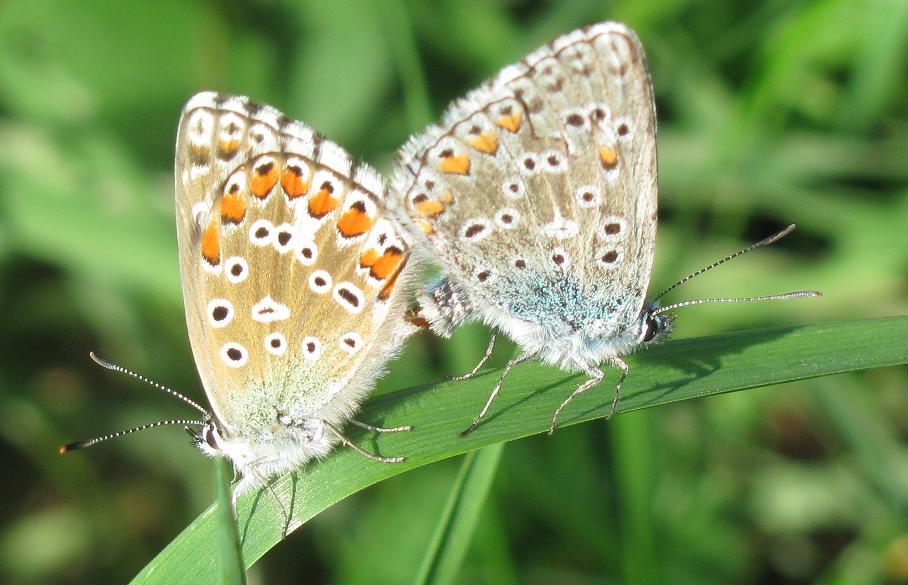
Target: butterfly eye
(652,327)
(209,435)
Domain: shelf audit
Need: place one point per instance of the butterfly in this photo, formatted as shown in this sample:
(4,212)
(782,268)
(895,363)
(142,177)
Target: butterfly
(294,285)
(537,194)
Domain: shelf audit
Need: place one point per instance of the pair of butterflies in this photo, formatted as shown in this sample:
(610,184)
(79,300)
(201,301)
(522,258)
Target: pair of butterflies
(536,194)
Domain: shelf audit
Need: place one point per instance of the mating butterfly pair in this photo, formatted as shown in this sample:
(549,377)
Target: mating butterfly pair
(536,194)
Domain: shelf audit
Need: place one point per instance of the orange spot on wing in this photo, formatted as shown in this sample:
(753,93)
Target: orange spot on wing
(430,207)
(458,164)
(323,202)
(608,156)
(387,263)
(293,184)
(233,207)
(425,226)
(264,177)
(447,198)
(354,222)
(486,142)
(386,290)
(510,123)
(211,244)
(228,146)
(368,258)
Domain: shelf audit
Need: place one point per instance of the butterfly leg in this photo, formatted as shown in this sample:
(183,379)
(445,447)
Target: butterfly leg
(247,482)
(359,449)
(475,369)
(369,427)
(621,365)
(253,479)
(595,377)
(485,409)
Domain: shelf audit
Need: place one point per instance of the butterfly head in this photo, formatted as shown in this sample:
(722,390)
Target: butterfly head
(653,326)
(207,439)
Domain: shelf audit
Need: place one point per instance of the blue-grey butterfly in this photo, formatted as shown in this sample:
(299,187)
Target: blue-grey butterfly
(537,195)
(294,284)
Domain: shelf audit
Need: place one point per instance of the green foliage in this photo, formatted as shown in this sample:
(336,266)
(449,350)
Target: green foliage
(229,559)
(676,371)
(770,113)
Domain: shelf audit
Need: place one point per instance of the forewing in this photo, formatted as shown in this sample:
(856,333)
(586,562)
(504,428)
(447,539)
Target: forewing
(546,171)
(288,265)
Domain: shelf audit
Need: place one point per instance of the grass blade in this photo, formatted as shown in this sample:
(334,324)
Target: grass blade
(457,524)
(675,371)
(229,550)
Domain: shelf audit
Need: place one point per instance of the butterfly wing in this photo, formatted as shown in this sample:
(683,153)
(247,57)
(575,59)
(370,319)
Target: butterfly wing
(292,276)
(544,178)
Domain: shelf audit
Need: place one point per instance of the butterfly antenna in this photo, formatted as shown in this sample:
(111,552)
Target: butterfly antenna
(799,294)
(89,442)
(761,244)
(112,366)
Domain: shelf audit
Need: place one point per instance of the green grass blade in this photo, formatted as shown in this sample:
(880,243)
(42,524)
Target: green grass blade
(457,524)
(675,371)
(635,478)
(229,549)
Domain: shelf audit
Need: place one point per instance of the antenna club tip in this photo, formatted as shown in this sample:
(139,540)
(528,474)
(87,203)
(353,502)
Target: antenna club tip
(64,449)
(816,293)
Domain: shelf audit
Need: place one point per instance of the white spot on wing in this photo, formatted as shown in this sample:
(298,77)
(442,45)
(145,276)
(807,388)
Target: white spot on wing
(268,310)
(234,355)
(261,233)
(513,188)
(588,196)
(623,129)
(560,228)
(276,343)
(236,269)
(351,342)
(220,313)
(285,232)
(320,281)
(612,228)
(349,297)
(200,126)
(506,218)
(560,258)
(553,161)
(576,120)
(529,164)
(475,229)
(263,138)
(609,258)
(306,253)
(599,114)
(311,348)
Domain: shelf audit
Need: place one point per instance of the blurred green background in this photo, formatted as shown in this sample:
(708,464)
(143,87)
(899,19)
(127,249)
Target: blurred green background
(770,113)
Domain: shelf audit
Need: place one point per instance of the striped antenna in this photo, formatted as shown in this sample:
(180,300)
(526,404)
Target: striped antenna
(179,421)
(112,366)
(89,442)
(800,294)
(761,244)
